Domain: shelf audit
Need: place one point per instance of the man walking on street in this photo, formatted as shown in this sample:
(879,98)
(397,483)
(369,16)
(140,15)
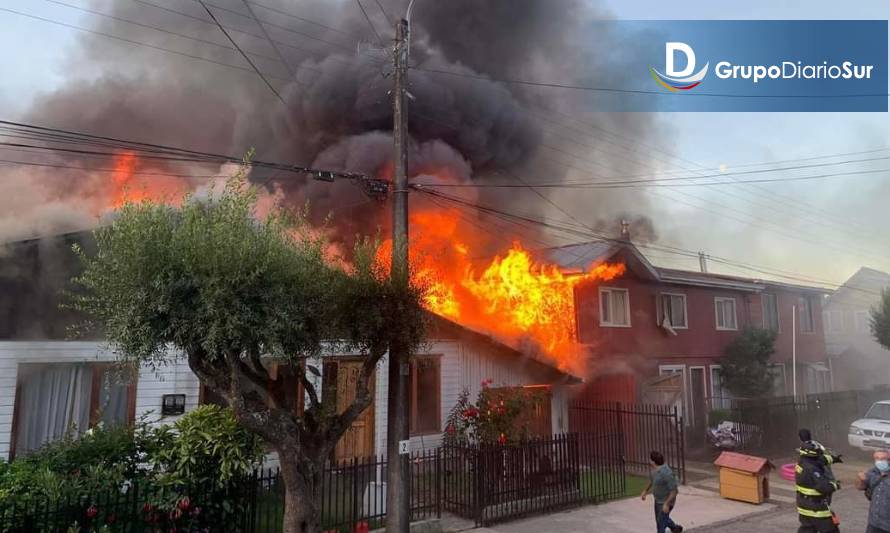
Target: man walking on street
(663,486)
(876,484)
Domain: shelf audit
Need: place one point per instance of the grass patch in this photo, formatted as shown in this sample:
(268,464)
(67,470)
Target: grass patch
(595,484)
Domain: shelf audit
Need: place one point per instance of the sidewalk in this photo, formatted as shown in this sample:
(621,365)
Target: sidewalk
(695,508)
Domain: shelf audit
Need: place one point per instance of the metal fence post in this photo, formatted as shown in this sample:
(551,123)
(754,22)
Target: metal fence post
(354,507)
(682,445)
(439,483)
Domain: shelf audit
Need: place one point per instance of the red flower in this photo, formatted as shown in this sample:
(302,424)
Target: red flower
(185,503)
(147,508)
(92,511)
(502,439)
(450,429)
(110,519)
(175,514)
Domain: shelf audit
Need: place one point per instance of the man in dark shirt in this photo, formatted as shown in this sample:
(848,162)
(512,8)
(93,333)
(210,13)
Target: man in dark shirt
(876,484)
(663,486)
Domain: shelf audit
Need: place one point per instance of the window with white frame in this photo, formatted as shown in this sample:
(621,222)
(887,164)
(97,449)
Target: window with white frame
(725,312)
(777,372)
(805,315)
(720,396)
(614,307)
(863,321)
(673,310)
(770,304)
(54,400)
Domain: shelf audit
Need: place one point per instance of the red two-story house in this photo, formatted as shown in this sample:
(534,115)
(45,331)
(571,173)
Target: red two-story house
(655,325)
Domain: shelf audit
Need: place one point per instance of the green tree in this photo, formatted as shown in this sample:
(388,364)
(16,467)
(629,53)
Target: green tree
(231,292)
(880,319)
(744,366)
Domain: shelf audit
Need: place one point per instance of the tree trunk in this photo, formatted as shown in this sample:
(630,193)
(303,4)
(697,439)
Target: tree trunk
(302,493)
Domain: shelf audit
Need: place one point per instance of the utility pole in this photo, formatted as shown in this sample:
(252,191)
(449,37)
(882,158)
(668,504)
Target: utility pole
(397,431)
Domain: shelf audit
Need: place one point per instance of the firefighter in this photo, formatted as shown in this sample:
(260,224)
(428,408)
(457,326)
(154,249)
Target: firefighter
(815,448)
(815,485)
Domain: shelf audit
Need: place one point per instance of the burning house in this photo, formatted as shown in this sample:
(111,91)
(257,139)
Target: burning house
(52,385)
(657,334)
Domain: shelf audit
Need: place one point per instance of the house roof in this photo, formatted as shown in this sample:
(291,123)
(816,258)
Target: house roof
(742,462)
(464,332)
(583,256)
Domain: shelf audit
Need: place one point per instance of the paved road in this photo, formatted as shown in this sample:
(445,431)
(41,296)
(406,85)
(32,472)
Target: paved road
(849,503)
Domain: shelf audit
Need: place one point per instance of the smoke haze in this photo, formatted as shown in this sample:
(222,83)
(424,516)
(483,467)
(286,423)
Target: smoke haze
(337,114)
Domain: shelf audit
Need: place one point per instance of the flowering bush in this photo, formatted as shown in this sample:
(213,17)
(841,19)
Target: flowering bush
(500,415)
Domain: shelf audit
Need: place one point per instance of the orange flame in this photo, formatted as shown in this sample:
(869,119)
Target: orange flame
(512,297)
(126,187)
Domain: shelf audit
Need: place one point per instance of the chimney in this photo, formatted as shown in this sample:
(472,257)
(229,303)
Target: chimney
(703,262)
(625,230)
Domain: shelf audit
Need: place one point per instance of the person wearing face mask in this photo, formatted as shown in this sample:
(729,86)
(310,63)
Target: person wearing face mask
(876,484)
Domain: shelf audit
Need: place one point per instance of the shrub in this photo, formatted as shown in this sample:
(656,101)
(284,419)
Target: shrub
(744,366)
(189,474)
(499,415)
(206,447)
(99,460)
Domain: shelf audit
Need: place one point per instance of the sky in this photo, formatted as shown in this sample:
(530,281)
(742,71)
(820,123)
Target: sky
(820,229)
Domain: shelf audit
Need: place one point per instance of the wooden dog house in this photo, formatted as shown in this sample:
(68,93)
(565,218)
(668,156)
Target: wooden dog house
(743,477)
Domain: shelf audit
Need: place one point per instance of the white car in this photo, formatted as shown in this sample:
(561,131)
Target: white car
(872,431)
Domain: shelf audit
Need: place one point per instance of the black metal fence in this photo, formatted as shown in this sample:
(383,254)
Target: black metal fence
(353,499)
(486,484)
(494,483)
(769,425)
(642,427)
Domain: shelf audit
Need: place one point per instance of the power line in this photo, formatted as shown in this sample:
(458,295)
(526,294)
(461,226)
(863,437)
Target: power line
(131,41)
(662,248)
(297,17)
(240,51)
(155,28)
(371,24)
(779,229)
(271,42)
(772,196)
(274,25)
(382,10)
(170,153)
(567,86)
(606,184)
(111,170)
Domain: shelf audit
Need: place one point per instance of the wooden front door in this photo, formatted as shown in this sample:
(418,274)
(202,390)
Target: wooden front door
(340,379)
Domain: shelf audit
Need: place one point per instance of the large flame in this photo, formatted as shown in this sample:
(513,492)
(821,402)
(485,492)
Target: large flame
(511,296)
(127,185)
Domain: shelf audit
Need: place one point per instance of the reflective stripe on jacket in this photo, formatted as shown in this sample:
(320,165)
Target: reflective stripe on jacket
(814,486)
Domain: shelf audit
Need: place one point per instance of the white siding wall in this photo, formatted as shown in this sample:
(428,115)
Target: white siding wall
(464,366)
(175,378)
(450,388)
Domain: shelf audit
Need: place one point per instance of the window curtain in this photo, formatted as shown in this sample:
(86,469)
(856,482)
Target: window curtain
(54,400)
(114,399)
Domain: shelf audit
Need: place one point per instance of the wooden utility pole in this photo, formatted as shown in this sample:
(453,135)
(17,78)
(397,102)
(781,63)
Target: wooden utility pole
(398,477)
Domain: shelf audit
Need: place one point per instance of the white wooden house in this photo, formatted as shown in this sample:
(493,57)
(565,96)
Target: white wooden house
(49,385)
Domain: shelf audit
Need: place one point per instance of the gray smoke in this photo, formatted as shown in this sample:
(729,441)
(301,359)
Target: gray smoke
(338,114)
